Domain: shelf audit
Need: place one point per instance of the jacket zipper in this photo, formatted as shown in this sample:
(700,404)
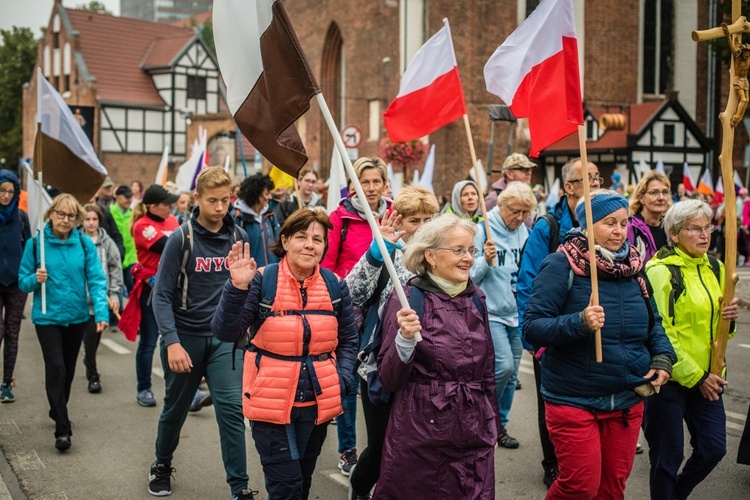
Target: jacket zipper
(711,301)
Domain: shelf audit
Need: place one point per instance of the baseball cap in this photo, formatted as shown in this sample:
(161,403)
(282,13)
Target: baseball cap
(125,191)
(518,160)
(108,182)
(157,194)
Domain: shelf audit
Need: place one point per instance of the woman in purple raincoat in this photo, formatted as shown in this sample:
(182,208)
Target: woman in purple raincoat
(444,420)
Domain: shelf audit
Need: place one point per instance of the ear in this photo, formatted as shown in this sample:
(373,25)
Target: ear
(568,187)
(284,242)
(430,258)
(674,237)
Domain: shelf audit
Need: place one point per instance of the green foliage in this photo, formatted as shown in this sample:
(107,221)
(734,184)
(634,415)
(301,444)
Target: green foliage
(207,34)
(17,62)
(94,6)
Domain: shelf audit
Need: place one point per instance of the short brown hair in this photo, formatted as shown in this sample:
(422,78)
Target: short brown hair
(654,175)
(306,170)
(66,199)
(299,221)
(93,207)
(212,178)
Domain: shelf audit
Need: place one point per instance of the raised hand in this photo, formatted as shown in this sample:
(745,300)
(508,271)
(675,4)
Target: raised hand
(387,226)
(241,265)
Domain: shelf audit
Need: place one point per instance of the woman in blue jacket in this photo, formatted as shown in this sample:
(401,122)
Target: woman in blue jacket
(594,410)
(514,204)
(71,265)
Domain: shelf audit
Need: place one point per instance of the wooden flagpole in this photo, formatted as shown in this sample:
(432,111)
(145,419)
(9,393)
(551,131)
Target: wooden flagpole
(719,344)
(40,205)
(368,213)
(296,191)
(590,234)
(478,176)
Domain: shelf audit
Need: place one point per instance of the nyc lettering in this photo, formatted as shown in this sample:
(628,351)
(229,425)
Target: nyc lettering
(502,253)
(204,264)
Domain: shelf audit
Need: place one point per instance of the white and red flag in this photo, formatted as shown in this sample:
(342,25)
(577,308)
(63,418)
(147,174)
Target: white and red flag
(431,94)
(535,72)
(269,83)
(719,194)
(687,178)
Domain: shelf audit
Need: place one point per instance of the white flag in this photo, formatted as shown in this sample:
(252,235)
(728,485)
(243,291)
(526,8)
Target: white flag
(161,173)
(425,179)
(336,182)
(33,193)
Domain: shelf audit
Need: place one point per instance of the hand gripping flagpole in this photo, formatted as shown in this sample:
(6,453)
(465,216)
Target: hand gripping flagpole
(590,235)
(368,213)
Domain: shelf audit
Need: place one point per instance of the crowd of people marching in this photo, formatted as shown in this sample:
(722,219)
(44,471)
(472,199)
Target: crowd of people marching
(289,313)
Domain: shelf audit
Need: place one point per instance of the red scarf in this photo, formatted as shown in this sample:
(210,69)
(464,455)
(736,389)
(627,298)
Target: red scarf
(130,321)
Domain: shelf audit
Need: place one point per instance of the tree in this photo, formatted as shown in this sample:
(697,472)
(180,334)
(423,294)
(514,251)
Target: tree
(207,34)
(94,6)
(17,62)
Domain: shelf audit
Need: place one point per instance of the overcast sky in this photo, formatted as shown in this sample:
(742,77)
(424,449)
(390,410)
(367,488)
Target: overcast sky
(36,13)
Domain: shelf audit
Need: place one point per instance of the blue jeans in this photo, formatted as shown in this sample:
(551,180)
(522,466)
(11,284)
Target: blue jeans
(211,359)
(346,424)
(706,422)
(508,350)
(149,333)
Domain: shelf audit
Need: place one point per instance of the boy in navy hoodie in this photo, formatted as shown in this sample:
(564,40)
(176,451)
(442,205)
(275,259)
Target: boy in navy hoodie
(189,282)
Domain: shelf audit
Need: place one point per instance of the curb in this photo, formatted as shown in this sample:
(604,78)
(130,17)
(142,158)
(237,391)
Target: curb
(9,487)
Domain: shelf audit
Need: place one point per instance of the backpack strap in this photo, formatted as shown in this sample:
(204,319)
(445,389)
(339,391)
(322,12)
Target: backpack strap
(677,288)
(334,289)
(267,293)
(554,231)
(344,230)
(186,251)
(715,267)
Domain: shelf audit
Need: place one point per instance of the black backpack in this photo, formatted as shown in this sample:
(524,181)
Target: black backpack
(554,236)
(678,286)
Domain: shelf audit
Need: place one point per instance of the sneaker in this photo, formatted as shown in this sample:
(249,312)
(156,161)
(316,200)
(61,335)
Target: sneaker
(6,395)
(95,385)
(352,494)
(146,398)
(638,449)
(160,479)
(62,443)
(347,461)
(550,476)
(245,495)
(201,399)
(518,386)
(506,441)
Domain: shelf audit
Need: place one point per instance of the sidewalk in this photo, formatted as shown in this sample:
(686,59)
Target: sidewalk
(6,474)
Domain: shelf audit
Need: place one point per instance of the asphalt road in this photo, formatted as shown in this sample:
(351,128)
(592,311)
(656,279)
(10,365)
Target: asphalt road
(113,438)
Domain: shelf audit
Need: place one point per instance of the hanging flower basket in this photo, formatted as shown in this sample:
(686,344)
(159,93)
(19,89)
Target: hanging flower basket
(403,154)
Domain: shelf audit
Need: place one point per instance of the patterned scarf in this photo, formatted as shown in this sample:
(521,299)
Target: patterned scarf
(576,249)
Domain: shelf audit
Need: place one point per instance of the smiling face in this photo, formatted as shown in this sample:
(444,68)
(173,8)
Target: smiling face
(304,249)
(695,237)
(445,264)
(611,231)
(469,199)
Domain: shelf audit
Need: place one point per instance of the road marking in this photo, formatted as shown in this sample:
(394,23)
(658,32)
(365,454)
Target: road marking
(339,478)
(528,371)
(115,346)
(734,426)
(736,416)
(27,461)
(158,372)
(746,346)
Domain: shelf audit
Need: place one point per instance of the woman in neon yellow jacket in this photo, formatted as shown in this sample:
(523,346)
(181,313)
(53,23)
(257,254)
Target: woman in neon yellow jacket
(690,316)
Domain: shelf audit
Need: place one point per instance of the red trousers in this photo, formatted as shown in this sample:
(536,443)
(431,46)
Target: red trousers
(595,451)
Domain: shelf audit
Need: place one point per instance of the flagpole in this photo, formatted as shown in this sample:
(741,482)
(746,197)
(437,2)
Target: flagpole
(477,175)
(40,215)
(590,235)
(368,213)
(296,191)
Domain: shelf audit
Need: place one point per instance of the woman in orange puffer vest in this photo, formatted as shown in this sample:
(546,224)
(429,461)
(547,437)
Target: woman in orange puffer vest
(300,360)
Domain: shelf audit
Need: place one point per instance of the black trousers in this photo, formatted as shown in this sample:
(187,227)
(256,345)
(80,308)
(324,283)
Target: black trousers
(548,449)
(743,454)
(367,472)
(90,345)
(60,346)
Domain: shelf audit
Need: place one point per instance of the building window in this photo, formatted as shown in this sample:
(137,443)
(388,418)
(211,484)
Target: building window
(374,125)
(669,134)
(530,6)
(196,87)
(658,46)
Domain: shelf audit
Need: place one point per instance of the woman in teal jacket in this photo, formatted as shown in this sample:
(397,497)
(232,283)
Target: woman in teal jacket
(691,320)
(73,266)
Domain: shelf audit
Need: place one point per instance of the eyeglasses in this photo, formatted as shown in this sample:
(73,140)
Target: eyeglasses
(697,231)
(460,251)
(309,181)
(598,180)
(516,213)
(657,192)
(518,169)
(64,215)
(9,193)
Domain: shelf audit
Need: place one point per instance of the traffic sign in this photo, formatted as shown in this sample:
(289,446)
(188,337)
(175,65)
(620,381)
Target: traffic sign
(352,136)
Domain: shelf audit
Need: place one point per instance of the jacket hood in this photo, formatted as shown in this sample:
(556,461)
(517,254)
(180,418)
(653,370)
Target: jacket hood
(499,184)
(674,256)
(9,212)
(456,198)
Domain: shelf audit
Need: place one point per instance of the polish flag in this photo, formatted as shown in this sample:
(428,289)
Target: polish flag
(687,178)
(431,95)
(719,194)
(535,72)
(705,184)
